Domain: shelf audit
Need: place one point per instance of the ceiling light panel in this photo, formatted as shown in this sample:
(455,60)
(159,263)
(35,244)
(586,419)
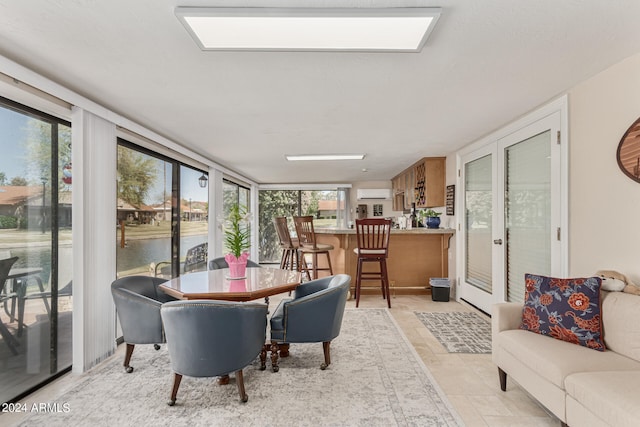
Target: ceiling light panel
(310,29)
(302,157)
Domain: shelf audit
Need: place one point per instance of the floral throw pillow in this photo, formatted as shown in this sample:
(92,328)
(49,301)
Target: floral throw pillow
(565,309)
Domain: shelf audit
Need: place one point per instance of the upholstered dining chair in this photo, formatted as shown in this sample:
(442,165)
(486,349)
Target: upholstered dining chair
(138,301)
(233,336)
(289,246)
(309,246)
(313,315)
(372,236)
(220,263)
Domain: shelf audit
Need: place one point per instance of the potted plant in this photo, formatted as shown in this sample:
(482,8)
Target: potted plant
(433,218)
(237,240)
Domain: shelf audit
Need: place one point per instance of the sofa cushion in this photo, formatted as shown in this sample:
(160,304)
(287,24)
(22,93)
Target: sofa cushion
(554,360)
(621,323)
(565,309)
(612,396)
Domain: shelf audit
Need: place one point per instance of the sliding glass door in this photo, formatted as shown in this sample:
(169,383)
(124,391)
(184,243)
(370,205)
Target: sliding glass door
(162,227)
(36,298)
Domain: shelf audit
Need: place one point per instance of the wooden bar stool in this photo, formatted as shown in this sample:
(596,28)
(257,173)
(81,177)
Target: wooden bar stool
(289,246)
(373,246)
(309,246)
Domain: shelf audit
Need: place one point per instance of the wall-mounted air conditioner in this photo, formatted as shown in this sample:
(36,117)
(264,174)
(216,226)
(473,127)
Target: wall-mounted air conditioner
(374,194)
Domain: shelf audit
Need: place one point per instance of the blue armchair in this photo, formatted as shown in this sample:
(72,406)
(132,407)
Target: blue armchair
(212,338)
(138,301)
(313,315)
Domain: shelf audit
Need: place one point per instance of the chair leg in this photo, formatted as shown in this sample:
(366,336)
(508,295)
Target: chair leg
(8,338)
(174,392)
(240,384)
(385,280)
(283,259)
(326,347)
(274,356)
(358,281)
(303,266)
(329,262)
(315,265)
(127,358)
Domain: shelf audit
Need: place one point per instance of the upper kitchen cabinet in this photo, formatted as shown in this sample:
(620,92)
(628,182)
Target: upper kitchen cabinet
(429,182)
(422,184)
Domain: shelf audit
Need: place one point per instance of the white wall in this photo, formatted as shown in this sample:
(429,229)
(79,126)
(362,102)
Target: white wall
(604,204)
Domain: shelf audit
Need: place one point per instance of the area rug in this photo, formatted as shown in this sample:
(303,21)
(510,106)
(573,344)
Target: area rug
(459,332)
(375,379)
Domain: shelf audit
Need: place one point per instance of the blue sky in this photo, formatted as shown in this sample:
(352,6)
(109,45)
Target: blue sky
(13,130)
(13,133)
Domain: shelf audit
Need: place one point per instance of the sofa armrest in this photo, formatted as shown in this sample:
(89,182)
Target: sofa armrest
(506,316)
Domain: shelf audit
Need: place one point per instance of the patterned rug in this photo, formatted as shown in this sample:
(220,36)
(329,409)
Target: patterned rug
(375,379)
(459,332)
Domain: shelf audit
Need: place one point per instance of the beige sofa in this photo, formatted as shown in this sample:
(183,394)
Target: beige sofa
(581,386)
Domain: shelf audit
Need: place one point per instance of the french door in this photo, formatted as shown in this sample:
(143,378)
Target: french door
(511,198)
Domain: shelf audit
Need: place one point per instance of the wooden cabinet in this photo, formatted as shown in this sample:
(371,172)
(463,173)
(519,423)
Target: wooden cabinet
(422,183)
(430,178)
(397,192)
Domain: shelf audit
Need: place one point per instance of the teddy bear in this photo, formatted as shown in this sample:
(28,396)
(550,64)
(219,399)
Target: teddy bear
(615,281)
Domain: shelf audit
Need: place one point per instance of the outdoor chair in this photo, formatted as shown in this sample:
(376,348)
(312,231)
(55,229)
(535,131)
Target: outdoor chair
(196,258)
(7,294)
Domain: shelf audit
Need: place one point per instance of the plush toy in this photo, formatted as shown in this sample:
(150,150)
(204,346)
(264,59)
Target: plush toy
(615,281)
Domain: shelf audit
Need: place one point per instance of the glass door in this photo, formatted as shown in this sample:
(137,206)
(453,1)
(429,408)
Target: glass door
(478,227)
(530,223)
(36,298)
(512,213)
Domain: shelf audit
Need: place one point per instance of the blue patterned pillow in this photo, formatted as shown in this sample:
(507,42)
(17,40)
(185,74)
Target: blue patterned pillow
(565,309)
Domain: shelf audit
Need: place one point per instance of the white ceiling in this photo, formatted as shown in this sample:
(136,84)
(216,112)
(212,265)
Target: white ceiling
(485,64)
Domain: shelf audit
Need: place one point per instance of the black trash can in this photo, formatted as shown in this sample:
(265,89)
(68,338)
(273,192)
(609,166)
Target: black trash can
(440,289)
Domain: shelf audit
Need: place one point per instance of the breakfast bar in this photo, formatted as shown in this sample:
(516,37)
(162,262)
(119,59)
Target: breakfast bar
(414,256)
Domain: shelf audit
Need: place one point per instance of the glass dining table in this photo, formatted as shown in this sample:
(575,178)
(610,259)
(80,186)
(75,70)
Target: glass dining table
(259,282)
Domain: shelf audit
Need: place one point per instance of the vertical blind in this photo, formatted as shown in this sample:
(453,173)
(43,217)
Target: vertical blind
(527,211)
(478,219)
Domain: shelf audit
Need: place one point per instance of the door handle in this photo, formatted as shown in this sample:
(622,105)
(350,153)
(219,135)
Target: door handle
(497,242)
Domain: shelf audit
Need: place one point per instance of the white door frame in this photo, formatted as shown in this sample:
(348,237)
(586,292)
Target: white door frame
(560,172)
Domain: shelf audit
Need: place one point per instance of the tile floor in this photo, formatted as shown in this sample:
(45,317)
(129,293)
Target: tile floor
(470,381)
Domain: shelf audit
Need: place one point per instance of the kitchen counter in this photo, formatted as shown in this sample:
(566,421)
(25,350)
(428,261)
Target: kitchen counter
(414,256)
(418,230)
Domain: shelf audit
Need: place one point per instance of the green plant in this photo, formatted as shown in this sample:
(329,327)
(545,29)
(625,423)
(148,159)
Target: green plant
(430,213)
(236,230)
(8,221)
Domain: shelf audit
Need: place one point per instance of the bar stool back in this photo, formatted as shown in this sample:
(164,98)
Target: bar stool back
(373,246)
(289,246)
(308,246)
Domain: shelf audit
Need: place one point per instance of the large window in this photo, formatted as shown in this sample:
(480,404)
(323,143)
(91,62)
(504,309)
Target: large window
(35,248)
(327,207)
(232,194)
(162,214)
